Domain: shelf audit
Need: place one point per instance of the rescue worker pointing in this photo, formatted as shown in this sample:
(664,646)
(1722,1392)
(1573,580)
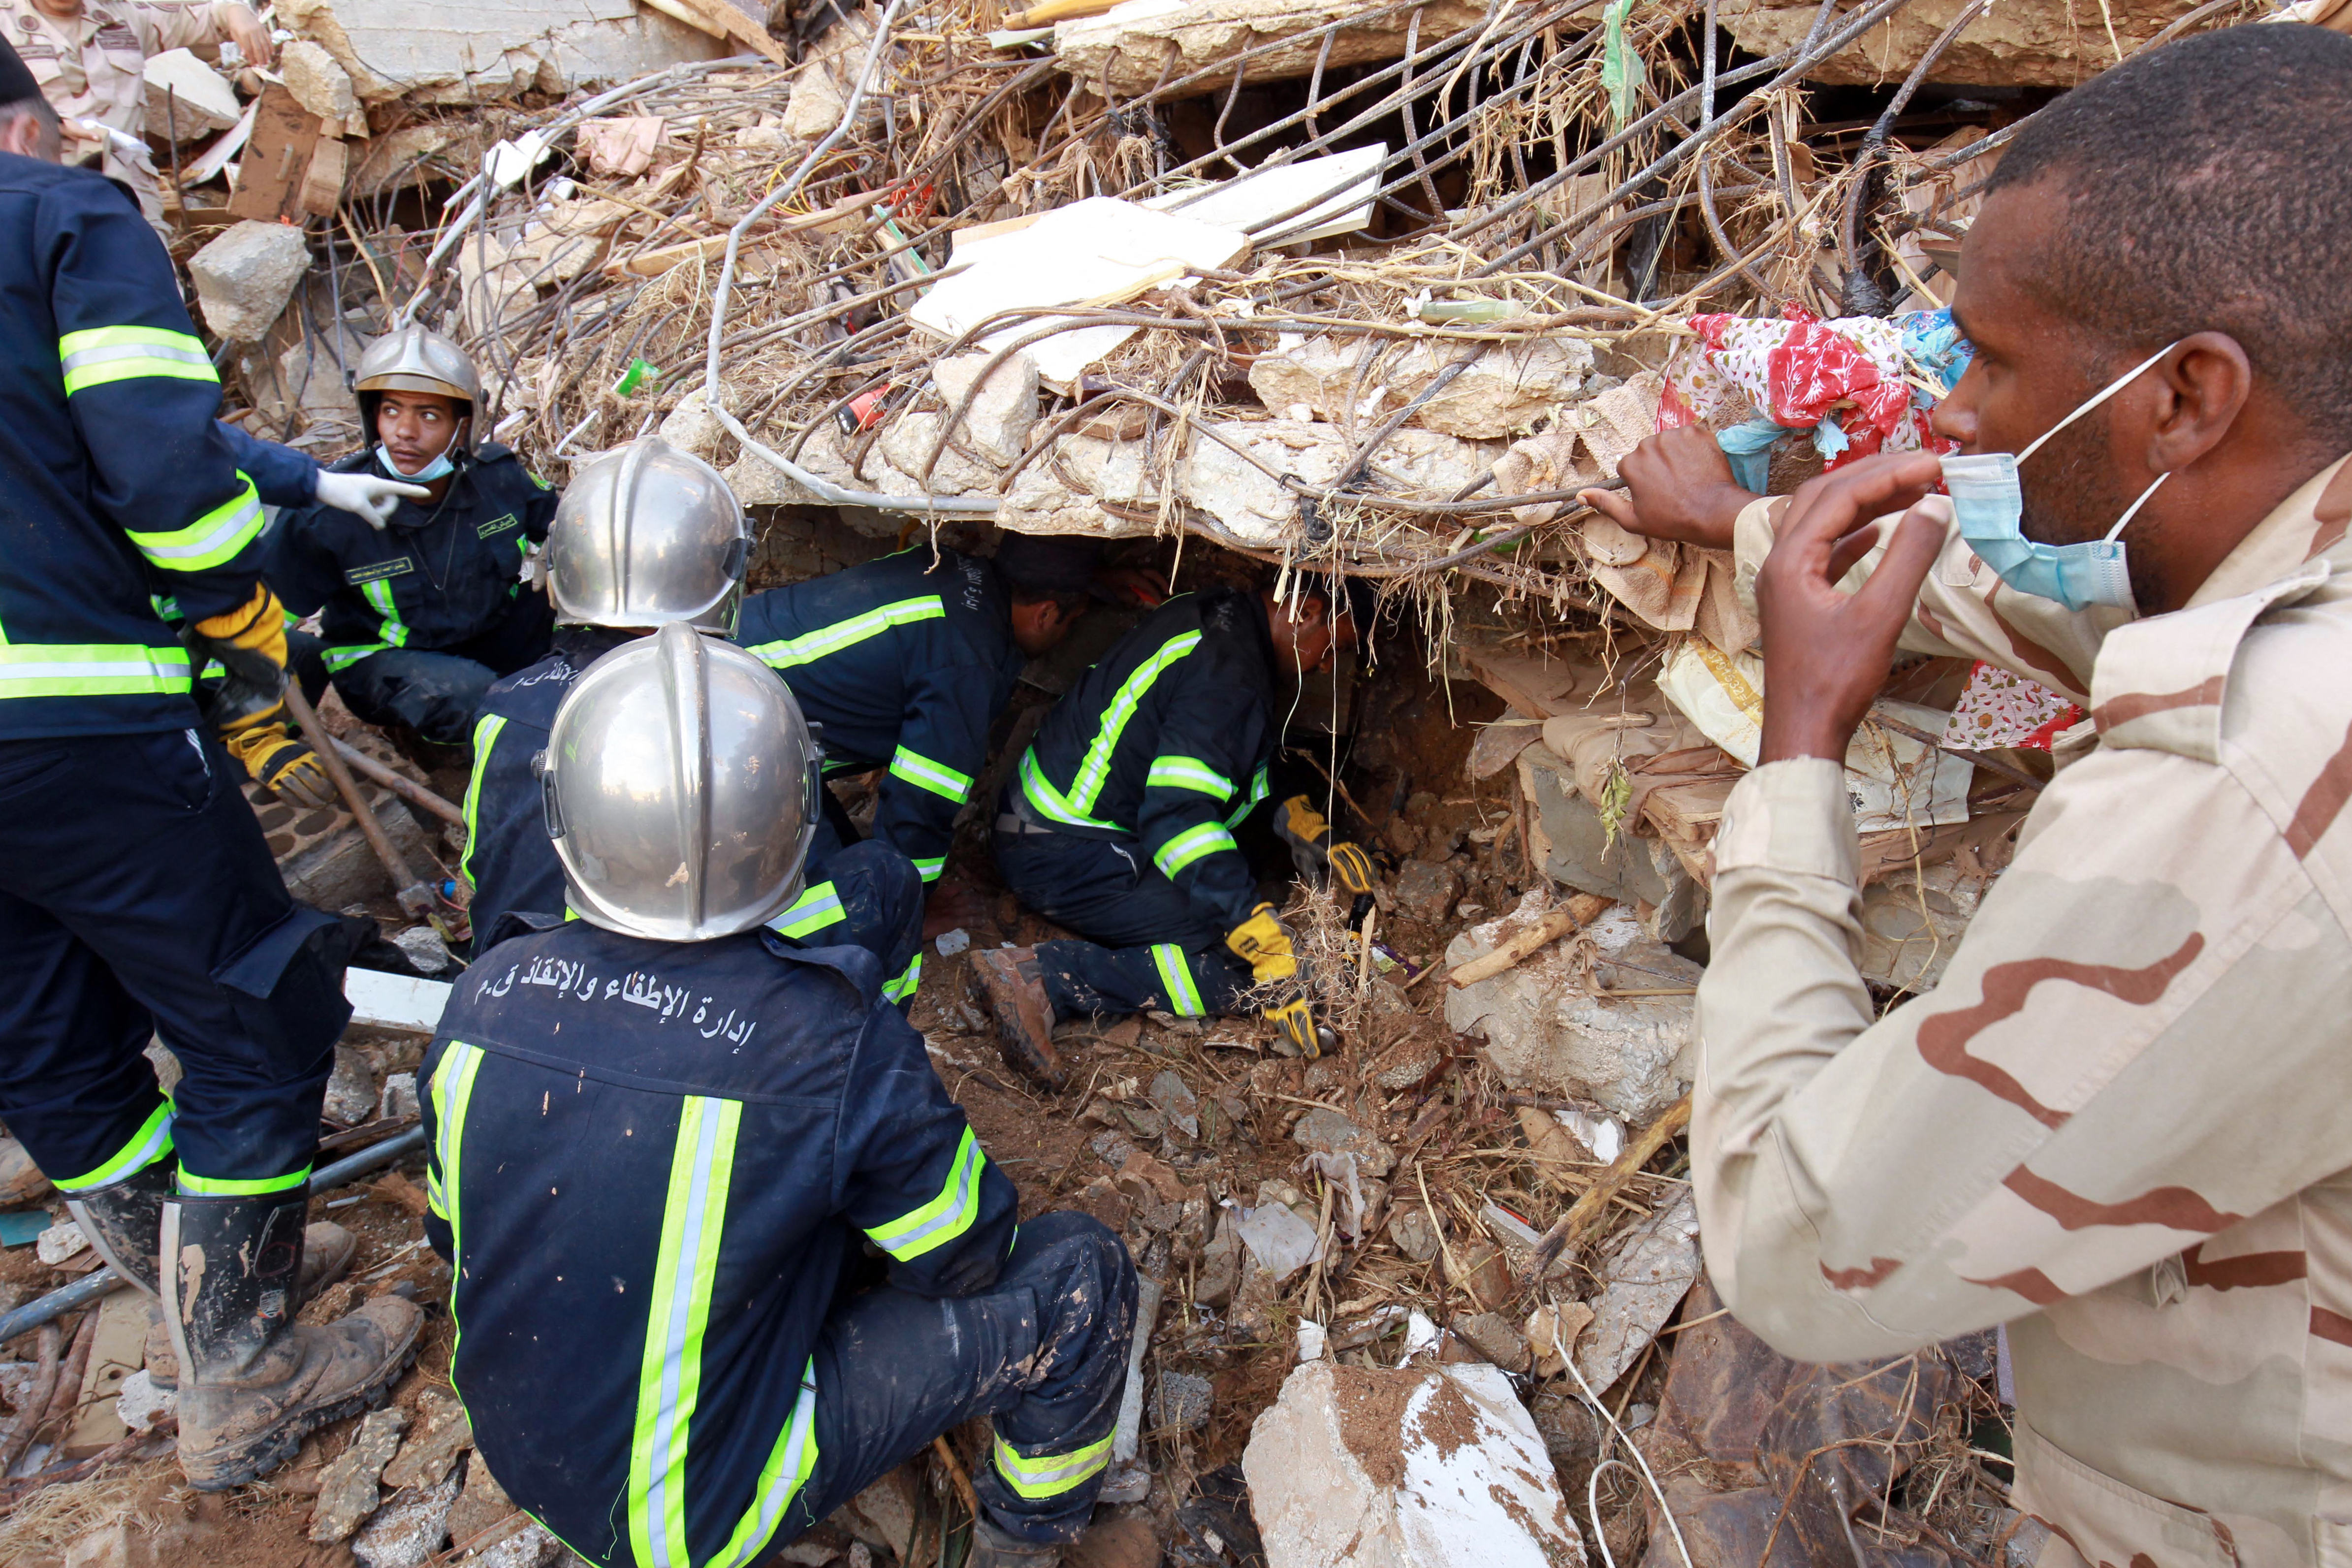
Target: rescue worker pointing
(137,897)
(424,611)
(662,1137)
(1120,825)
(646,537)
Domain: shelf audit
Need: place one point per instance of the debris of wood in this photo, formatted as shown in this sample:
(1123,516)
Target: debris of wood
(1578,909)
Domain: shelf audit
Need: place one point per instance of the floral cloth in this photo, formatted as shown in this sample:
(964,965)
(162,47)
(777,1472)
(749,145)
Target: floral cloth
(1998,709)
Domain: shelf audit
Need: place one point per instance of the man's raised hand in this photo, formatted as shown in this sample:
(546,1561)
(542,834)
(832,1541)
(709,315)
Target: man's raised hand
(1678,487)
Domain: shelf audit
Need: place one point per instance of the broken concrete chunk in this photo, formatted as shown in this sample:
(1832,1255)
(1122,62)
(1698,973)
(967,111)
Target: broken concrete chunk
(821,91)
(482,1503)
(427,1455)
(1327,1132)
(1426,892)
(2037,43)
(186,98)
(1545,1032)
(348,1492)
(399,1097)
(1413,1234)
(1645,1274)
(530,1547)
(244,278)
(61,1241)
(1505,392)
(317,83)
(1233,469)
(466,51)
(1492,1336)
(1181,1401)
(1220,1265)
(1418,1468)
(1136,48)
(1178,1106)
(1912,920)
(1573,843)
(21,1181)
(1002,411)
(406,1532)
(352,1090)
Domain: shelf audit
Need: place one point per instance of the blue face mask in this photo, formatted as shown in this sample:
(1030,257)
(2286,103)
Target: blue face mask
(1990,506)
(440,468)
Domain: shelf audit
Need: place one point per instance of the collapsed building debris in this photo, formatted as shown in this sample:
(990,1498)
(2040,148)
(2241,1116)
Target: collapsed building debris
(1276,285)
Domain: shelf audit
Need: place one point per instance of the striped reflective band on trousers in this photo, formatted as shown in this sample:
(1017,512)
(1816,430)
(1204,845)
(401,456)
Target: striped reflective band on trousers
(100,355)
(389,626)
(810,646)
(1176,979)
(486,735)
(1206,839)
(898,990)
(151,1143)
(1094,769)
(943,1219)
(213,538)
(1037,1476)
(669,1379)
(931,866)
(809,914)
(194,1185)
(924,773)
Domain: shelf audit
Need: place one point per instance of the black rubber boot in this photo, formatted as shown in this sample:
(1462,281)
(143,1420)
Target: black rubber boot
(992,1548)
(253,1383)
(124,1220)
(327,1253)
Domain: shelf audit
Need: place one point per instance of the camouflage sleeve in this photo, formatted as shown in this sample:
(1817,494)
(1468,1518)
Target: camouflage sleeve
(1964,610)
(2138,1043)
(179,24)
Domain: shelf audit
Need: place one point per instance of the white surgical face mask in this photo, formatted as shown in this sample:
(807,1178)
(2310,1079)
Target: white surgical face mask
(440,468)
(1990,506)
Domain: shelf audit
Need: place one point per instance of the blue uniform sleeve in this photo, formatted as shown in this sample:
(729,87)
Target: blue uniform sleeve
(951,701)
(143,393)
(302,571)
(541,513)
(911,1172)
(1203,779)
(280,475)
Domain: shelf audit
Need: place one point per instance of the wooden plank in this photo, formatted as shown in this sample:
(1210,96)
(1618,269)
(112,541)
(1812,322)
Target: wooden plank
(323,186)
(117,1349)
(277,160)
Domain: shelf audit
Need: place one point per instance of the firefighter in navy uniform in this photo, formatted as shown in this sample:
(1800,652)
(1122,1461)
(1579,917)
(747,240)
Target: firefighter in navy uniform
(1120,825)
(661,1137)
(645,536)
(136,894)
(424,611)
(905,663)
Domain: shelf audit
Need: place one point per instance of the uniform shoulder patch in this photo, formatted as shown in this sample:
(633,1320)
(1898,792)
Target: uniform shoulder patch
(499,525)
(358,575)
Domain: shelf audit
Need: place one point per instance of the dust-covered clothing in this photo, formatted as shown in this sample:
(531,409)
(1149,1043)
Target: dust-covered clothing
(904,662)
(94,66)
(2122,1122)
(653,1165)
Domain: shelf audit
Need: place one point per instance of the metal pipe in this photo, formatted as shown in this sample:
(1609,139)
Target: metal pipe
(413,896)
(103,1278)
(398,783)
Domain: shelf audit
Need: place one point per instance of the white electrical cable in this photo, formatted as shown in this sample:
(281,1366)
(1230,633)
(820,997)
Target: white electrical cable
(1592,1494)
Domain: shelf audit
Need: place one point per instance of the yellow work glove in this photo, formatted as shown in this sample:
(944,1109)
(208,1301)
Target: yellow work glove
(280,763)
(1314,852)
(1262,943)
(249,637)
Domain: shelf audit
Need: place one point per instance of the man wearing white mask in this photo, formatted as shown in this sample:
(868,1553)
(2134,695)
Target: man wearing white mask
(2121,1124)
(426,606)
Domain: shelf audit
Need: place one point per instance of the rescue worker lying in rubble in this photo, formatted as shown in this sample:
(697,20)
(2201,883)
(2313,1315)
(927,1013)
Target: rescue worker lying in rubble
(661,1136)
(1120,825)
(2121,1124)
(425,609)
(646,537)
(905,663)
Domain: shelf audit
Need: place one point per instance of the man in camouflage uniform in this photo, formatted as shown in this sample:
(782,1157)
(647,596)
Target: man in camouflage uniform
(90,58)
(2122,1122)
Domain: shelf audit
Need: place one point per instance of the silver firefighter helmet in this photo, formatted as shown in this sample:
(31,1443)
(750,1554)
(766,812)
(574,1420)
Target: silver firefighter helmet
(680,783)
(645,536)
(416,359)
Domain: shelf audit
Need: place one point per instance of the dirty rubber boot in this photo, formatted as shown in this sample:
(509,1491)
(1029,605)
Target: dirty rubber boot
(327,1253)
(123,1219)
(254,1383)
(992,1548)
(1024,1016)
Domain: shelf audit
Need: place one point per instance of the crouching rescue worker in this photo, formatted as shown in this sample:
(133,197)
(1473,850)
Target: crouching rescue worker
(646,537)
(1120,825)
(905,663)
(137,898)
(427,607)
(661,1137)
(2121,1123)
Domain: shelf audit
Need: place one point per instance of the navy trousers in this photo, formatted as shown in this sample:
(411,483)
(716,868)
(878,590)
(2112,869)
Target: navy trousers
(137,895)
(1146,946)
(1043,1354)
(436,694)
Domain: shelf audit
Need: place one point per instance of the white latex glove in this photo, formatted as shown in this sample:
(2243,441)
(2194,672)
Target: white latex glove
(365,495)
